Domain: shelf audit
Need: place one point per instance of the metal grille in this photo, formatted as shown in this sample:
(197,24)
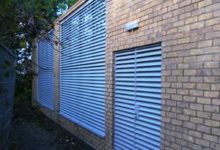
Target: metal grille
(82,67)
(138,98)
(45,71)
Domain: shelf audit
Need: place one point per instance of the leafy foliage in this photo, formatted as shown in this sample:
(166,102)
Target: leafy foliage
(21,21)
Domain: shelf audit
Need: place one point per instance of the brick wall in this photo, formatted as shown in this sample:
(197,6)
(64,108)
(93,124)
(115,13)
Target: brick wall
(56,65)
(190,34)
(7,83)
(189,31)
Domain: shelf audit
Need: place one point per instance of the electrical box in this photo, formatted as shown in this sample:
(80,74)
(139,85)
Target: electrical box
(132,25)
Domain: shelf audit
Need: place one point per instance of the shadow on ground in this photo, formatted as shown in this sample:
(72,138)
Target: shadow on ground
(31,130)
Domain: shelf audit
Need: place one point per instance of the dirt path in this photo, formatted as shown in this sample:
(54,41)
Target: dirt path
(31,130)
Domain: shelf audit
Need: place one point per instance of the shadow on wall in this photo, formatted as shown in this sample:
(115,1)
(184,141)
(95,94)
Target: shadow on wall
(7,88)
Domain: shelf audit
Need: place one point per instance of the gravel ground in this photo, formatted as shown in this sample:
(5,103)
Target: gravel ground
(31,130)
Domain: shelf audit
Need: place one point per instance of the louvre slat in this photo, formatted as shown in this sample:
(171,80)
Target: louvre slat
(100,93)
(86,117)
(83,80)
(86,78)
(92,85)
(96,44)
(87,66)
(82,67)
(86,110)
(87,58)
(149,64)
(87,99)
(124,93)
(83,121)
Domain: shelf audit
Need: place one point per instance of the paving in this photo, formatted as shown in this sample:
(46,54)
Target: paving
(31,130)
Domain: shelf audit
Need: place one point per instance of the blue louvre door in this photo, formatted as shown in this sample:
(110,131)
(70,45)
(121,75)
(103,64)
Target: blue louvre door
(138,98)
(82,67)
(45,71)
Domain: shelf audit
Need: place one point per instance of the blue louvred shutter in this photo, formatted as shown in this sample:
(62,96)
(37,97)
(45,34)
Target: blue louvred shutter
(138,98)
(82,67)
(45,70)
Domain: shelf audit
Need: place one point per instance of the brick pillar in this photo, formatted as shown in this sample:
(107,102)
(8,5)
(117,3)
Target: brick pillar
(109,140)
(56,66)
(35,72)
